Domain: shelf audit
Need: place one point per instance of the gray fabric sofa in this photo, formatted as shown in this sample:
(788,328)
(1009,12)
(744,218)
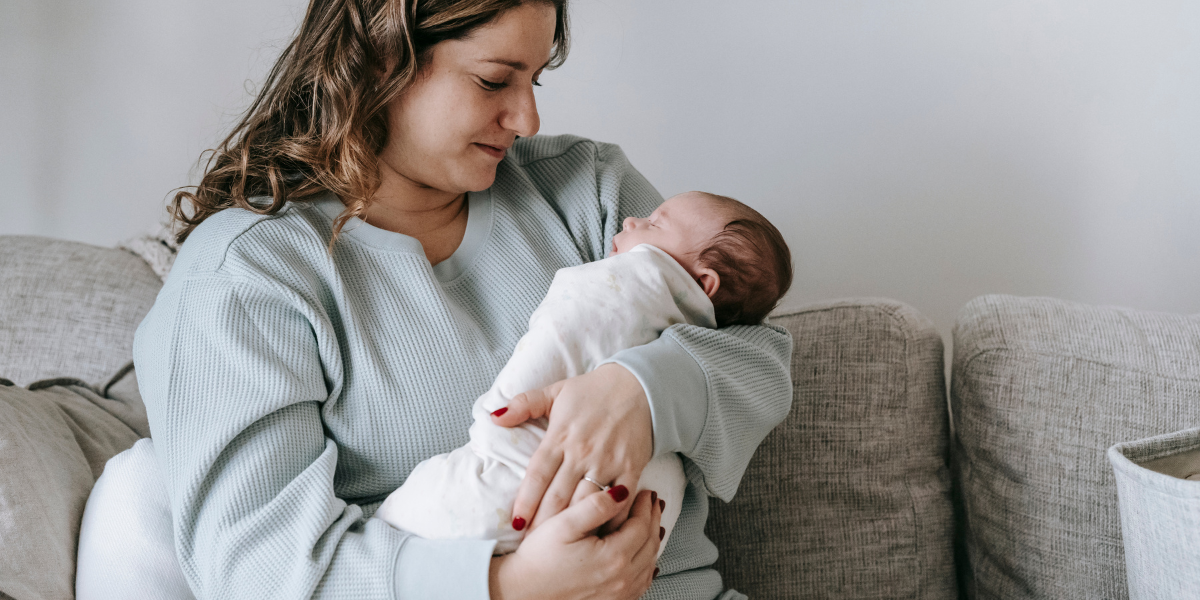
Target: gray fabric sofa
(862,492)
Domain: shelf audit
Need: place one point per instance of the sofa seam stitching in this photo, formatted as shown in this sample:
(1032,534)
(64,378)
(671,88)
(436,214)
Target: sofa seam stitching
(1001,349)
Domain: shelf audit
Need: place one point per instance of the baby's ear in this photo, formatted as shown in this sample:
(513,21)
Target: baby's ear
(709,281)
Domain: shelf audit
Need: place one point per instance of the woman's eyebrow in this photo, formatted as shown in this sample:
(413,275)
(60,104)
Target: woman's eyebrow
(516,64)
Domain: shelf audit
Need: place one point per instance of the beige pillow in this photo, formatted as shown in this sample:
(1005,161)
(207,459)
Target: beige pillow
(54,441)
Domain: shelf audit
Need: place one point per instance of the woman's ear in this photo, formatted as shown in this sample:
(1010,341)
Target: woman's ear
(709,281)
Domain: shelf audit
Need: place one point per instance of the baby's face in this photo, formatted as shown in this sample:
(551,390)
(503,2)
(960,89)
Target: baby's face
(681,227)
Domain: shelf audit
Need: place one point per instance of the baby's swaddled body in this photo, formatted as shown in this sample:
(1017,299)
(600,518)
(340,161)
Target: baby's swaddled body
(590,313)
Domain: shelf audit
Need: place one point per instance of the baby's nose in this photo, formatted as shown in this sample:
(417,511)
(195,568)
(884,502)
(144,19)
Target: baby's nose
(628,223)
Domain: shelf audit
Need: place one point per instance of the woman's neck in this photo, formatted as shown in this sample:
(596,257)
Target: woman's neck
(416,219)
(435,218)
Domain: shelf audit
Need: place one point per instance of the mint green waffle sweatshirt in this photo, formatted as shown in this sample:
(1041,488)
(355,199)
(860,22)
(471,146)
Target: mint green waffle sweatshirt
(290,390)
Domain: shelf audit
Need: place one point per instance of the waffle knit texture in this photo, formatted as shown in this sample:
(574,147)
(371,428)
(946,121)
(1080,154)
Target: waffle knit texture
(290,389)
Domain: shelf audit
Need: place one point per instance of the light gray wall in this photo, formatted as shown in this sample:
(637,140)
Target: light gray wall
(929,151)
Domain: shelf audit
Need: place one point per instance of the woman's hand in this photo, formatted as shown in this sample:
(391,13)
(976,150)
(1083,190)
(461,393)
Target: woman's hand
(599,428)
(565,560)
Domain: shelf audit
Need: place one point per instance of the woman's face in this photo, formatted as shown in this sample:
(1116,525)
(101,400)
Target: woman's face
(450,129)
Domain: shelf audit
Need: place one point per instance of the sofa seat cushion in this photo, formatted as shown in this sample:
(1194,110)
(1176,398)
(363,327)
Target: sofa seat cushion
(1040,389)
(54,442)
(69,309)
(850,496)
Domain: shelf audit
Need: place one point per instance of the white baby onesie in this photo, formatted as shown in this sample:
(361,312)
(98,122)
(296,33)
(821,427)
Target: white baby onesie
(591,312)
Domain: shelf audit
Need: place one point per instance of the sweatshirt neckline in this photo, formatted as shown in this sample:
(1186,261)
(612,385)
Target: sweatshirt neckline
(479,226)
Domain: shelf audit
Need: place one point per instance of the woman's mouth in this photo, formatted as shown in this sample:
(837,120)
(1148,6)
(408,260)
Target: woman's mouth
(493,151)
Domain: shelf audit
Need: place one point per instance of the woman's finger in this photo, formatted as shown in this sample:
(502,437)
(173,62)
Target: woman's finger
(583,489)
(542,468)
(580,520)
(558,494)
(648,553)
(634,534)
(529,405)
(630,481)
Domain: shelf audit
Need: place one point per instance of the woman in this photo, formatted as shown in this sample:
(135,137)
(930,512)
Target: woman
(361,256)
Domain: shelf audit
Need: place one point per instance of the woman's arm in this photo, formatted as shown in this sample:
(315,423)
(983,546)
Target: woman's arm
(710,395)
(714,394)
(235,373)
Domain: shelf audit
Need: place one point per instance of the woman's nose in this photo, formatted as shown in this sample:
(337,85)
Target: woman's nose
(522,115)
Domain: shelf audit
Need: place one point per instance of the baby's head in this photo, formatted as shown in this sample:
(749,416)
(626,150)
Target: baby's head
(737,256)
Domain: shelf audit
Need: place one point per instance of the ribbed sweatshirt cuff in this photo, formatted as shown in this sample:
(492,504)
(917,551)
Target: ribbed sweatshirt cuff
(443,569)
(676,388)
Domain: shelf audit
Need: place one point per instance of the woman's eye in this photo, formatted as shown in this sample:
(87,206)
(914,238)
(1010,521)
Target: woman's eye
(493,86)
(535,82)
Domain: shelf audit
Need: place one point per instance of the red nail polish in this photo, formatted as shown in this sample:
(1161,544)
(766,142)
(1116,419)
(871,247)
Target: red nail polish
(661,533)
(619,493)
(655,572)
(518,523)
(653,497)
(662,504)
(500,411)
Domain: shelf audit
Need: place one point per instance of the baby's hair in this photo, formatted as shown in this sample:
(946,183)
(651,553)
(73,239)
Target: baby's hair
(753,262)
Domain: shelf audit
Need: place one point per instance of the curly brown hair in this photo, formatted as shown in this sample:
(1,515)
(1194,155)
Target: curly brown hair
(320,120)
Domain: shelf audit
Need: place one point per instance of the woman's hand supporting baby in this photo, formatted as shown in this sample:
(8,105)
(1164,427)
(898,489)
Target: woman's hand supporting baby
(599,427)
(565,560)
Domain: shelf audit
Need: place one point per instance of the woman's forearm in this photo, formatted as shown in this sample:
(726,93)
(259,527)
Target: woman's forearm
(715,394)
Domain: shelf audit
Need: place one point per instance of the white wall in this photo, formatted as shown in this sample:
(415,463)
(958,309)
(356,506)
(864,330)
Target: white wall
(929,151)
(105,106)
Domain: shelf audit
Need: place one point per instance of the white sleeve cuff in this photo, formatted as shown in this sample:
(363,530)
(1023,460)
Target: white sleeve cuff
(677,389)
(443,569)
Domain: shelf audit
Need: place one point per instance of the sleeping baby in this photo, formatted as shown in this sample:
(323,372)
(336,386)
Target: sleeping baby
(699,259)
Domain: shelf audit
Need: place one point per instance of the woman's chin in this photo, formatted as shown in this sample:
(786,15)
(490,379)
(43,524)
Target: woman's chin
(480,180)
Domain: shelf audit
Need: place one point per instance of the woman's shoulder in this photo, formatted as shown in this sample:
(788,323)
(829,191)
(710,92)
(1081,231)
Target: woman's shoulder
(568,169)
(234,238)
(565,150)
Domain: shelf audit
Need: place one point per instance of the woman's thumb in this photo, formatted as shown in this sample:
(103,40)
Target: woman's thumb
(583,518)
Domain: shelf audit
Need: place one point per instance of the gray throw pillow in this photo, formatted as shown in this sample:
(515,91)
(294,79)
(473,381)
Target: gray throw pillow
(1040,389)
(54,441)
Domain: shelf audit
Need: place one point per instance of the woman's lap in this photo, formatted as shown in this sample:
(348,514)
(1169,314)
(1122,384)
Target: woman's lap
(126,544)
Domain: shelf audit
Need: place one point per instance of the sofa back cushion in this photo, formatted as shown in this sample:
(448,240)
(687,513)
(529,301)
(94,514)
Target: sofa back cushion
(850,496)
(1040,389)
(69,309)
